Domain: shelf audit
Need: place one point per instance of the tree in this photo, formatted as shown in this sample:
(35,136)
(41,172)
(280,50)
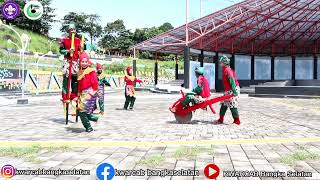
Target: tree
(115,28)
(139,35)
(124,41)
(146,33)
(92,26)
(41,26)
(116,36)
(85,23)
(165,27)
(78,19)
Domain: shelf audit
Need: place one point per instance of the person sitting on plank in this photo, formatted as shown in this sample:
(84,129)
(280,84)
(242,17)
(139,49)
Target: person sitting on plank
(199,93)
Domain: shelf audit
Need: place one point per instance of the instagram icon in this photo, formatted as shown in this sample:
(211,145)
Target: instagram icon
(8,171)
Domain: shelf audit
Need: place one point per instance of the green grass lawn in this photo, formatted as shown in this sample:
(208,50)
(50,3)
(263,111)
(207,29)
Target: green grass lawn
(7,61)
(38,42)
(29,154)
(144,66)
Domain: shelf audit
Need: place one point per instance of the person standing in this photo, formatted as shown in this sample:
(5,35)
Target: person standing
(102,80)
(130,93)
(231,86)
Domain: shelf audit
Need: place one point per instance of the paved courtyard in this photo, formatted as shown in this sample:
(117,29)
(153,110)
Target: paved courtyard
(273,133)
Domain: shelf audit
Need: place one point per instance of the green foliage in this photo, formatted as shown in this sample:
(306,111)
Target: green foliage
(145,55)
(170,57)
(40,26)
(115,67)
(85,23)
(165,27)
(116,37)
(72,17)
(146,33)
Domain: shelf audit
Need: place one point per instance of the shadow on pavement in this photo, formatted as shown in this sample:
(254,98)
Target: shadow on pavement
(60,120)
(196,122)
(75,130)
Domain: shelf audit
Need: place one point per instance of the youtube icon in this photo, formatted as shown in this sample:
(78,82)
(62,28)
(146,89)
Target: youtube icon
(211,171)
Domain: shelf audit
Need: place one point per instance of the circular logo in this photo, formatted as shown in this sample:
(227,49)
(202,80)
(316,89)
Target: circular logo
(211,171)
(10,10)
(105,171)
(33,10)
(8,171)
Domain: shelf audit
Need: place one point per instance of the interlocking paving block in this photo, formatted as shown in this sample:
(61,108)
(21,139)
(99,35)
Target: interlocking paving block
(153,123)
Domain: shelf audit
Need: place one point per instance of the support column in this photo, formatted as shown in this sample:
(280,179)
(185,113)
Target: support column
(315,67)
(293,70)
(134,69)
(252,67)
(272,68)
(216,76)
(186,67)
(201,58)
(232,62)
(177,68)
(156,71)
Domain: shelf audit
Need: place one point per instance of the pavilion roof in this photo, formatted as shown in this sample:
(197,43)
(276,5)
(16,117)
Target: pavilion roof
(277,27)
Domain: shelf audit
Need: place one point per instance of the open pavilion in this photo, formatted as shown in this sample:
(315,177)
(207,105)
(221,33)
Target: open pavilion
(266,40)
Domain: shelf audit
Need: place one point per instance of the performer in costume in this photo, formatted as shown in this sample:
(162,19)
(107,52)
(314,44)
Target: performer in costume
(199,93)
(231,86)
(88,87)
(130,93)
(70,50)
(102,80)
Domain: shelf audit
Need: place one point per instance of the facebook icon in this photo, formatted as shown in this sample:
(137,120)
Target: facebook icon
(105,171)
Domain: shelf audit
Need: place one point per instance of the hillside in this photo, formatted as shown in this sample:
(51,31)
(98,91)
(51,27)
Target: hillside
(38,43)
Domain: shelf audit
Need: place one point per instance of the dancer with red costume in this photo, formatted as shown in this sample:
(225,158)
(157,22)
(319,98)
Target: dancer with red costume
(88,87)
(130,92)
(231,86)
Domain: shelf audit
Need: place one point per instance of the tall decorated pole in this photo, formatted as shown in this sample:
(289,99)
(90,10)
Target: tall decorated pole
(82,42)
(80,72)
(70,67)
(69,77)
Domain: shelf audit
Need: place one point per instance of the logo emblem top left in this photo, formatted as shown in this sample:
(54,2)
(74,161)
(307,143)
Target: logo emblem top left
(10,10)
